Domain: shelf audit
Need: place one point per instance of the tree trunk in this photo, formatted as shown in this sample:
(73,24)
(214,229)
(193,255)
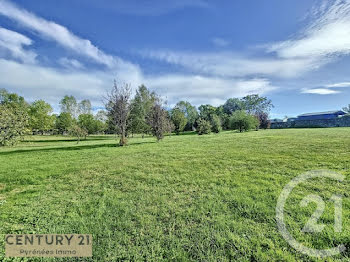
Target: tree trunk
(123,140)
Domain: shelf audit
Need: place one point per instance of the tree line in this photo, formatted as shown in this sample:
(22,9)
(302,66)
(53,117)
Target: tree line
(143,113)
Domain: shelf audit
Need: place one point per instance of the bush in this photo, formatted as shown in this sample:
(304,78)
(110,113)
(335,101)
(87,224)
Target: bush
(242,121)
(263,118)
(13,125)
(203,127)
(216,124)
(76,130)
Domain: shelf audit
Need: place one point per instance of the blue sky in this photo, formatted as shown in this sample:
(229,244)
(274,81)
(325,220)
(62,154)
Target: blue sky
(296,52)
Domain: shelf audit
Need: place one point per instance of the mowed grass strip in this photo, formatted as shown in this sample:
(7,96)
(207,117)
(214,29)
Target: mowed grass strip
(186,198)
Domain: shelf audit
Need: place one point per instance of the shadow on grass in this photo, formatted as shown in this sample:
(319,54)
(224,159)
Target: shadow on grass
(70,148)
(66,140)
(141,143)
(67,148)
(186,133)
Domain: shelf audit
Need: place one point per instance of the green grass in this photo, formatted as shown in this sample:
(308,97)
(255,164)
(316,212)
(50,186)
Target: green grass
(187,198)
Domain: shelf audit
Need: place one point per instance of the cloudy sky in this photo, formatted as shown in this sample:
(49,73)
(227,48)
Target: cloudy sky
(296,52)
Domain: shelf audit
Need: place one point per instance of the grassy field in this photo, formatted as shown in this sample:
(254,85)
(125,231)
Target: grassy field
(187,198)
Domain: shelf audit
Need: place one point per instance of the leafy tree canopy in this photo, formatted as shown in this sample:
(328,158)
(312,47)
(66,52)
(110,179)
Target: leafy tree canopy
(69,105)
(40,116)
(255,103)
(190,112)
(64,121)
(232,105)
(242,121)
(85,107)
(206,112)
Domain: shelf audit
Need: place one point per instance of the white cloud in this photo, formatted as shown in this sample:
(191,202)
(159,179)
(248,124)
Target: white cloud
(201,89)
(218,41)
(327,89)
(327,36)
(342,84)
(149,8)
(320,91)
(60,34)
(70,63)
(228,64)
(213,83)
(117,68)
(35,81)
(14,43)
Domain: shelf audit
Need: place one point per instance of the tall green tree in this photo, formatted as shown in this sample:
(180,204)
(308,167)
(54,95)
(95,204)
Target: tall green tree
(88,123)
(203,126)
(216,124)
(13,117)
(64,122)
(264,122)
(40,118)
(190,112)
(13,100)
(13,125)
(179,120)
(85,107)
(254,104)
(223,117)
(159,121)
(141,106)
(232,105)
(206,112)
(347,109)
(242,121)
(69,104)
(101,126)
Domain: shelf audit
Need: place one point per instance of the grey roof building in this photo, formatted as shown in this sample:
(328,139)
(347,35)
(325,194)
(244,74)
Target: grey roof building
(322,115)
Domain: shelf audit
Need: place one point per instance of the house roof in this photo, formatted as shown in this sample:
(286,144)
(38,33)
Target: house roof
(324,113)
(276,120)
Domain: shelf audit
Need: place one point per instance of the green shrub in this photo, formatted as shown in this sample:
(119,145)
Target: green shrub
(242,121)
(203,127)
